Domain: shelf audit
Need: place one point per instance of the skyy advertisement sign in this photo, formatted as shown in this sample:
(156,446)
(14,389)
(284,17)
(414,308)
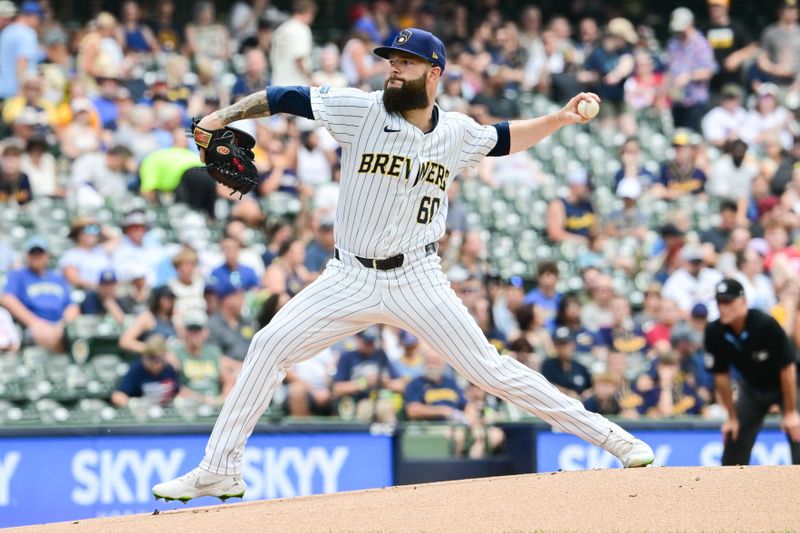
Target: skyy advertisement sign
(47,479)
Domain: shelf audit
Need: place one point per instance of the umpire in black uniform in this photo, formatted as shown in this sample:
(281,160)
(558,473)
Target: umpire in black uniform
(757,346)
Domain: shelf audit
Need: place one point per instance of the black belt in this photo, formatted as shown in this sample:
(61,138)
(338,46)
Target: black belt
(388,263)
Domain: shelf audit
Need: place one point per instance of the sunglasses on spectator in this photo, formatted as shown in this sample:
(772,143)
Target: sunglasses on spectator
(92,229)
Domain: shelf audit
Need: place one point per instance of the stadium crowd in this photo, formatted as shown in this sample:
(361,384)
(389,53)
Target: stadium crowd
(610,307)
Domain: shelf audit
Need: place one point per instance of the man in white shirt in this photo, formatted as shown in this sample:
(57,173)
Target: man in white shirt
(725,122)
(732,175)
(291,46)
(97,177)
(693,283)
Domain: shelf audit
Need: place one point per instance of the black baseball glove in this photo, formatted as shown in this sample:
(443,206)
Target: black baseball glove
(229,157)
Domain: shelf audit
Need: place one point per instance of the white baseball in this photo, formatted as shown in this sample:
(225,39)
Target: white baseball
(588,108)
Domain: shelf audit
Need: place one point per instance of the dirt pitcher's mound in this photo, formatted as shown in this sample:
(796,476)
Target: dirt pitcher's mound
(647,499)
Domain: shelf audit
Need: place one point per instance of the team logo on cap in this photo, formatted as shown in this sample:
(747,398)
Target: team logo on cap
(722,287)
(404,36)
(434,55)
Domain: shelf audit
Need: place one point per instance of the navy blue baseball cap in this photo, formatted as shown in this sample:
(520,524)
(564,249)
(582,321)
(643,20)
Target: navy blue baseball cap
(420,43)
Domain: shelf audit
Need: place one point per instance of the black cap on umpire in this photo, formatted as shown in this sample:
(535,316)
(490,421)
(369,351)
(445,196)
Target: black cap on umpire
(728,290)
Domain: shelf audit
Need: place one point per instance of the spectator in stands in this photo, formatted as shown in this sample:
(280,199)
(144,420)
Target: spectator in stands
(434,395)
(199,369)
(506,303)
(610,64)
(596,313)
(40,167)
(207,40)
(82,134)
(362,376)
(758,288)
(100,52)
(725,122)
(623,335)
(693,283)
(733,46)
(604,398)
(645,90)
(232,271)
(103,301)
(631,158)
(691,65)
(188,285)
(329,73)
(167,30)
(135,292)
(320,250)
(681,175)
(156,320)
(569,316)
(481,413)
(230,330)
(648,314)
(472,255)
(135,36)
(96,177)
(545,298)
(163,169)
(139,132)
(287,272)
(39,298)
(136,246)
(15,187)
(536,336)
(719,235)
(30,100)
(290,55)
(628,221)
(669,396)
(667,257)
(778,57)
(279,232)
(358,65)
(150,377)
(410,363)
(198,190)
(254,77)
(83,264)
(571,377)
(738,243)
(19,50)
(572,218)
(768,119)
(310,385)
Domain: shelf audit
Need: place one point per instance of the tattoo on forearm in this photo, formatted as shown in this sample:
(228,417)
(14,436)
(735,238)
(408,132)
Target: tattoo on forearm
(252,106)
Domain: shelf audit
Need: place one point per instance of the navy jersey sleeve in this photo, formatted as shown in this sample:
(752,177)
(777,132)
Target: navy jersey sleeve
(503,146)
(293,99)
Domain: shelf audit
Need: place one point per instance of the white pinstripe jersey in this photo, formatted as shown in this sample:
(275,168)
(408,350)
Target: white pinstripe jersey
(393,190)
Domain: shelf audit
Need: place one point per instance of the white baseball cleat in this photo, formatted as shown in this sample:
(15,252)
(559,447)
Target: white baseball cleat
(631,452)
(199,482)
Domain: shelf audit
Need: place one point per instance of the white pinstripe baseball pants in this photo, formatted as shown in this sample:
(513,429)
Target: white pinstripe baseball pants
(347,298)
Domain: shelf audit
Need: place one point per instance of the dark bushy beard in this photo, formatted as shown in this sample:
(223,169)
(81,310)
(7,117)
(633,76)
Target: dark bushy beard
(411,95)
